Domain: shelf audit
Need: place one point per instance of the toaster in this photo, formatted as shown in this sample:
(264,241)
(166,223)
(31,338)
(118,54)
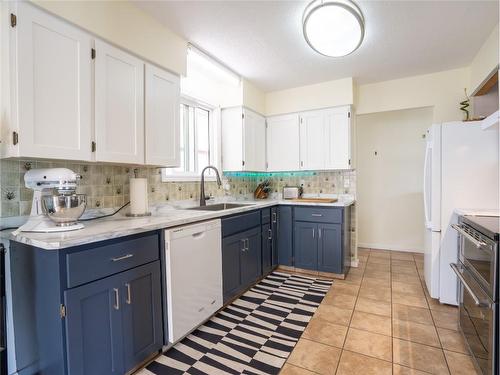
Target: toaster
(292,192)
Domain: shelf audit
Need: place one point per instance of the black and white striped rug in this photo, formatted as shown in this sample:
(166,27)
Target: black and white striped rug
(253,335)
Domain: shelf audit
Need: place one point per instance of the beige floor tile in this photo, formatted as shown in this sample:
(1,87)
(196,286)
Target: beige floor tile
(368,343)
(377,274)
(380,254)
(379,260)
(408,299)
(420,357)
(289,369)
(412,313)
(375,293)
(344,288)
(415,332)
(378,267)
(460,364)
(403,263)
(371,322)
(434,304)
(334,314)
(445,319)
(408,288)
(452,340)
(314,356)
(402,370)
(374,307)
(402,256)
(341,300)
(404,270)
(355,363)
(363,251)
(374,282)
(414,279)
(323,331)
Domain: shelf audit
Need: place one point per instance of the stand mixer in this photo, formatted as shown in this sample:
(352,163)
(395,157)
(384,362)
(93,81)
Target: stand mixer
(55,207)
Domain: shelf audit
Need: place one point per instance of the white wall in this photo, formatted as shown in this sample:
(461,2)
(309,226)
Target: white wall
(122,23)
(443,91)
(320,95)
(389,184)
(253,97)
(485,61)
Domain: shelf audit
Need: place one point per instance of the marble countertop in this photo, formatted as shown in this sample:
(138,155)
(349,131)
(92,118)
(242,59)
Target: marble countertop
(163,216)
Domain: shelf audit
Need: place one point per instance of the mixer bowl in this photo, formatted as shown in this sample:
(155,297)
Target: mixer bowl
(64,209)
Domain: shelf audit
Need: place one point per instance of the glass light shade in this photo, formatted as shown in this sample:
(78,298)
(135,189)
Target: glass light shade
(333,28)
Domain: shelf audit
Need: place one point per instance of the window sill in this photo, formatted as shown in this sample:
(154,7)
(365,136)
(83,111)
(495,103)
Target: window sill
(185,178)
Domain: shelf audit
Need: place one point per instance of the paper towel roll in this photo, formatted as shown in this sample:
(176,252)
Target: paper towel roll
(138,196)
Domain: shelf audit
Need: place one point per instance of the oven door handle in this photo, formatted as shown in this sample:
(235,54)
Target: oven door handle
(459,229)
(477,301)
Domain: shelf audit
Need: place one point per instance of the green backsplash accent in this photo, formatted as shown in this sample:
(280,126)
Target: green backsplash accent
(108,185)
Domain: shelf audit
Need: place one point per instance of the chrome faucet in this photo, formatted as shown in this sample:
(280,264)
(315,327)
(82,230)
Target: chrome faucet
(203,199)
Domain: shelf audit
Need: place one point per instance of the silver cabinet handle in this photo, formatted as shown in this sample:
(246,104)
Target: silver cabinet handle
(116,305)
(275,217)
(477,301)
(128,301)
(319,232)
(460,230)
(317,215)
(313,232)
(270,234)
(243,248)
(117,259)
(248,244)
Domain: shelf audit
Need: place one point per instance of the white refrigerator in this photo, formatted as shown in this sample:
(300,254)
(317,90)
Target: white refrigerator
(460,174)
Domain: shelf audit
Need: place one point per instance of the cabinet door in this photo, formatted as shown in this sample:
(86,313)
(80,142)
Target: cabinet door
(306,245)
(274,233)
(283,143)
(142,314)
(285,230)
(119,105)
(232,139)
(267,240)
(162,93)
(312,140)
(53,86)
(232,246)
(251,258)
(338,136)
(254,144)
(94,328)
(330,255)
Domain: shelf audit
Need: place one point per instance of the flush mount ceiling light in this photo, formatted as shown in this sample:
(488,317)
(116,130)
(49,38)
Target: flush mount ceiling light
(333,28)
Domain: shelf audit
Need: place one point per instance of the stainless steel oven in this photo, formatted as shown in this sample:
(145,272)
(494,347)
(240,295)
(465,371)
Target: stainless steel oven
(476,271)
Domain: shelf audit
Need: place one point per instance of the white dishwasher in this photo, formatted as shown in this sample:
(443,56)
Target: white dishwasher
(193,272)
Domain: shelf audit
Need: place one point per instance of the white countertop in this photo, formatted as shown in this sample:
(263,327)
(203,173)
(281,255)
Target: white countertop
(164,216)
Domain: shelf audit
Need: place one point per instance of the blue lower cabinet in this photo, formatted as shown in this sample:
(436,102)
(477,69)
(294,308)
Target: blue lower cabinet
(274,233)
(94,328)
(114,324)
(330,253)
(267,249)
(285,236)
(306,245)
(142,314)
(251,257)
(232,246)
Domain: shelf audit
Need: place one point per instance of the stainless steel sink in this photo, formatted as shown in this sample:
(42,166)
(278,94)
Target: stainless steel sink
(218,207)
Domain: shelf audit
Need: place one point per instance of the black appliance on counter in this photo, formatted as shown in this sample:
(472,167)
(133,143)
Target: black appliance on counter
(478,270)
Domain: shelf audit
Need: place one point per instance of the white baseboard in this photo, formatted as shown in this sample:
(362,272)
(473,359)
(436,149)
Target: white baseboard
(389,247)
(354,263)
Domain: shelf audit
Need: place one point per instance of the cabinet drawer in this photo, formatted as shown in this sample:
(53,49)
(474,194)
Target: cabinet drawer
(266,215)
(239,223)
(101,261)
(319,215)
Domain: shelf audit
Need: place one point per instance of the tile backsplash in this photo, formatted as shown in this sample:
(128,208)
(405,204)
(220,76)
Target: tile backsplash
(108,185)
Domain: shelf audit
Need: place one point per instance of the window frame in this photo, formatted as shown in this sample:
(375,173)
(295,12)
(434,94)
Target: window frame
(168,175)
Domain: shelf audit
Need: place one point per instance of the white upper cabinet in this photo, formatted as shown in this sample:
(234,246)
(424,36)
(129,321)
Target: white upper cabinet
(52,68)
(162,93)
(283,143)
(338,136)
(243,140)
(313,147)
(119,105)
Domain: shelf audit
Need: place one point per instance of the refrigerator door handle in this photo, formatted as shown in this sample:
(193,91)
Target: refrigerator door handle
(428,223)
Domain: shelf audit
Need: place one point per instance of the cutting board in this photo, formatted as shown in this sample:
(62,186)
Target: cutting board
(315,200)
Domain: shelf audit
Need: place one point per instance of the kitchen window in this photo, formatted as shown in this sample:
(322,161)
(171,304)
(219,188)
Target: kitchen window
(197,142)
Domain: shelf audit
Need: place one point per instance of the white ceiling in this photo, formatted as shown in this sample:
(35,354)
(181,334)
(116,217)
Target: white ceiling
(262,40)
